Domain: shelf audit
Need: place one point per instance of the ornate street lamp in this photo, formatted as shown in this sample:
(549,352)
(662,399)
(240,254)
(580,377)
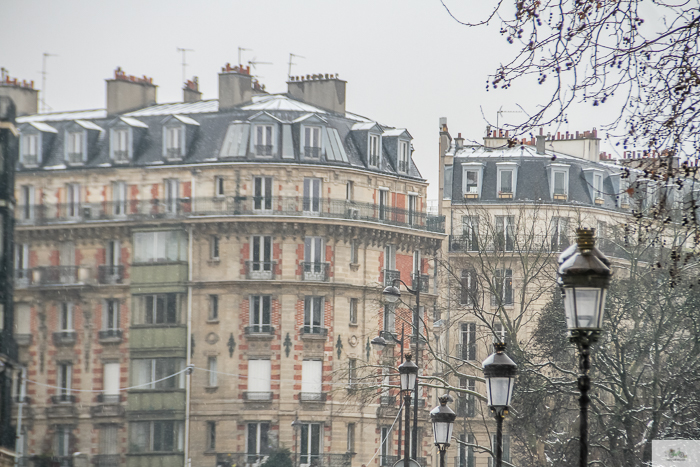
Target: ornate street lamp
(408,371)
(443,419)
(584,277)
(499,372)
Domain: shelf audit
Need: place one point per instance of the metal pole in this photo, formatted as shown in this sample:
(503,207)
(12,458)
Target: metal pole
(403,336)
(584,385)
(416,323)
(442,457)
(499,439)
(407,402)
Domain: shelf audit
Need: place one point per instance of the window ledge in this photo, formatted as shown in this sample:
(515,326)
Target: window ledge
(211,389)
(213,321)
(147,326)
(505,195)
(353,325)
(560,197)
(140,391)
(354,266)
(599,201)
(471,196)
(214,261)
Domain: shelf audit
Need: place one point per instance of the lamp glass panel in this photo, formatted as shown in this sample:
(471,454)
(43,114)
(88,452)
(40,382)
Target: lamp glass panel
(442,432)
(391,298)
(498,391)
(583,307)
(408,381)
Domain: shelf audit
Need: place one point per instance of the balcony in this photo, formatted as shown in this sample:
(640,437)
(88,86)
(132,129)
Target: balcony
(108,406)
(110,274)
(313,332)
(263,149)
(52,276)
(257,396)
(312,396)
(312,152)
(63,399)
(315,271)
(130,210)
(110,336)
(23,340)
(260,270)
(390,276)
(106,460)
(463,243)
(242,459)
(64,337)
(263,331)
(424,283)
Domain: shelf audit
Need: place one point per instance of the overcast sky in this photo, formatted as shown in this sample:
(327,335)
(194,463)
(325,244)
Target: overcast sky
(407,63)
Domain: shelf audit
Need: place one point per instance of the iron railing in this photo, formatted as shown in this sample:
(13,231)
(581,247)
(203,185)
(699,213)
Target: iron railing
(390,276)
(259,330)
(260,270)
(313,396)
(110,274)
(298,206)
(110,334)
(106,460)
(312,152)
(257,395)
(64,337)
(64,399)
(424,283)
(313,332)
(263,149)
(466,351)
(315,271)
(108,398)
(387,401)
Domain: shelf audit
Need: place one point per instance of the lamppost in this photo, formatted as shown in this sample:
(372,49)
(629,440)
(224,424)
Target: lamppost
(407,373)
(584,277)
(296,424)
(392,295)
(443,419)
(499,372)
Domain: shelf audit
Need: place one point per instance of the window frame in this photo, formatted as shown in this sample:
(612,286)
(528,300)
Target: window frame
(503,280)
(141,311)
(403,156)
(383,204)
(262,193)
(353,307)
(30,147)
(213,314)
(260,316)
(467,339)
(314,314)
(212,363)
(263,139)
(219,187)
(174,151)
(72,155)
(313,196)
(120,147)
(505,233)
(27,202)
(478,169)
(111,312)
(502,168)
(155,370)
(468,287)
(260,435)
(374,150)
(309,151)
(120,197)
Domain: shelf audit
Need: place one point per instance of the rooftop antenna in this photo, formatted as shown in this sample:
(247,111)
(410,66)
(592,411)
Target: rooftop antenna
(291,56)
(44,105)
(184,62)
(240,50)
(3,73)
(254,62)
(501,111)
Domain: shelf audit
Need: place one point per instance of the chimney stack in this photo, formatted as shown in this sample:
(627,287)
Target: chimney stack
(325,91)
(539,144)
(190,93)
(126,93)
(22,93)
(459,141)
(235,86)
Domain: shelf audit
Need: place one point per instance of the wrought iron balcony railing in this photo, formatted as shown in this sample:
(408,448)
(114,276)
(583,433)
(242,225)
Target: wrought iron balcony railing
(260,270)
(64,337)
(257,395)
(313,396)
(259,330)
(315,271)
(313,332)
(110,274)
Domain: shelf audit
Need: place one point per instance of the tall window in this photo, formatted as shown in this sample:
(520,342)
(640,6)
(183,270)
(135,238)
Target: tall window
(412,204)
(262,193)
(74,146)
(468,341)
(466,452)
(349,190)
(152,373)
(173,141)
(312,195)
(211,436)
(110,382)
(353,310)
(505,229)
(311,380)
(385,450)
(163,246)
(383,204)
(314,267)
(471,182)
(109,444)
(310,452)
(312,142)
(22,272)
(560,188)
(503,288)
(64,380)
(65,316)
(213,308)
(560,233)
(258,442)
(389,319)
(260,313)
(390,257)
(259,380)
(500,333)
(313,315)
(261,257)
(211,367)
(351,438)
(470,232)
(120,144)
(352,372)
(354,253)
(30,149)
(156,436)
(469,287)
(466,403)
(403,156)
(172,195)
(113,260)
(505,181)
(214,248)
(119,197)
(374,148)
(219,186)
(505,446)
(157,308)
(73,200)
(263,140)
(598,186)
(26,195)
(62,440)
(111,314)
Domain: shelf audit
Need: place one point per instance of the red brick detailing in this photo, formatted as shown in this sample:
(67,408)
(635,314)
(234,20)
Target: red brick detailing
(300,259)
(103,197)
(187,193)
(425,265)
(381,266)
(154,190)
(277,256)
(329,258)
(78,256)
(245,254)
(101,256)
(125,261)
(59,198)
(33,259)
(53,258)
(134,196)
(404,264)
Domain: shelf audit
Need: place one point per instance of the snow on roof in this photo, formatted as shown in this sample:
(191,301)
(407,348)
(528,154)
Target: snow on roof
(69,115)
(186,120)
(396,132)
(352,116)
(177,108)
(280,102)
(88,125)
(306,117)
(43,127)
(364,126)
(133,122)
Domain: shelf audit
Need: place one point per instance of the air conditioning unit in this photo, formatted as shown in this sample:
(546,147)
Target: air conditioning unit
(87,212)
(353,213)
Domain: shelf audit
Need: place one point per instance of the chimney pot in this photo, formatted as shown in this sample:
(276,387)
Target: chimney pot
(539,144)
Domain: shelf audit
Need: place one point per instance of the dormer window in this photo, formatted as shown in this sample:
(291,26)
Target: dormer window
(120,144)
(507,175)
(174,142)
(263,140)
(471,180)
(312,142)
(624,193)
(75,147)
(559,181)
(598,188)
(403,156)
(373,151)
(559,184)
(30,149)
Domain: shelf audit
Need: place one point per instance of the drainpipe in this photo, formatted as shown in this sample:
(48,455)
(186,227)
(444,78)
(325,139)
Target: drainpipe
(188,374)
(19,446)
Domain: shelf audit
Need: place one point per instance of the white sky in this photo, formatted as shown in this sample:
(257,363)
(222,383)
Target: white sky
(407,63)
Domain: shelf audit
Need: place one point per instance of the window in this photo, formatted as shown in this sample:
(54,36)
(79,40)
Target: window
(22,271)
(624,193)
(390,257)
(261,257)
(503,288)
(354,256)
(64,380)
(26,200)
(258,444)
(62,440)
(412,203)
(389,319)
(468,287)
(260,313)
(120,145)
(211,436)
(560,233)
(219,186)
(416,264)
(73,200)
(152,373)
(350,190)
(213,308)
(470,232)
(560,185)
(466,403)
(403,156)
(156,436)
(352,372)
(110,273)
(313,315)
(351,438)
(119,198)
(74,147)
(373,154)
(172,195)
(383,204)
(601,234)
(471,182)
(505,233)
(310,444)
(506,449)
(311,380)
(505,181)
(110,316)
(30,149)
(500,333)
(314,267)
(312,195)
(22,319)
(158,308)
(312,142)
(109,445)
(468,341)
(214,248)
(259,376)
(110,382)
(174,138)
(211,367)
(353,310)
(262,193)
(162,246)
(598,186)
(263,140)
(65,316)
(466,452)
(385,450)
